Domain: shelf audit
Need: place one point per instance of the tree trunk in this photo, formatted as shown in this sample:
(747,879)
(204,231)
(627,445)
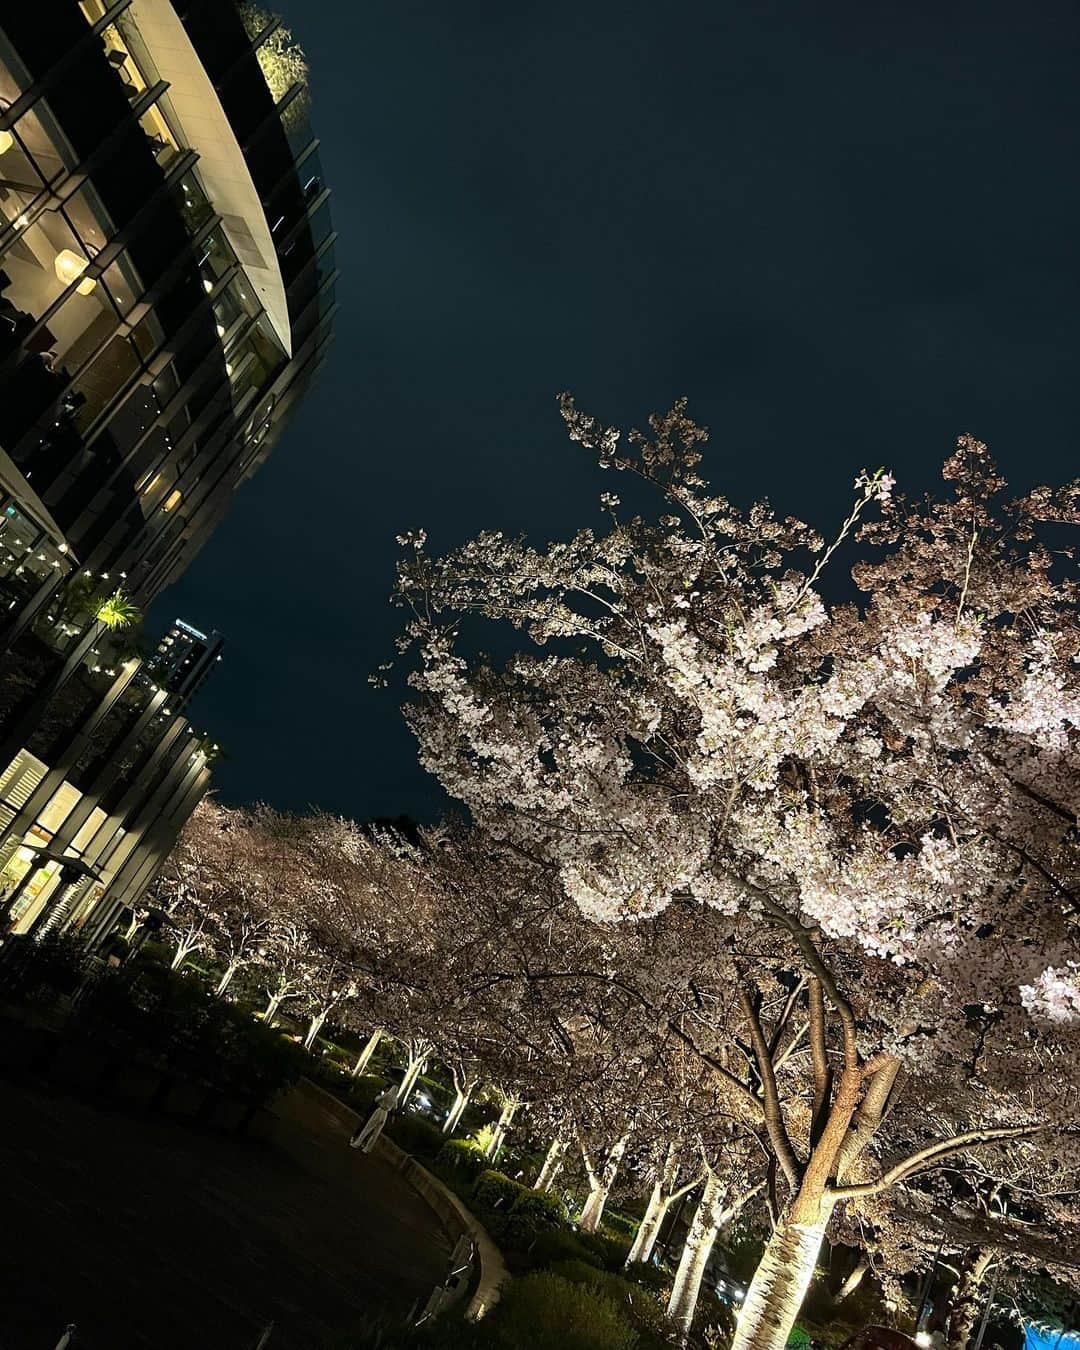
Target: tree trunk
(600,1188)
(502,1126)
(227,978)
(853,1280)
(696,1251)
(965,1306)
(413,1071)
(641,1249)
(364,1058)
(780,1282)
(461,1101)
(552,1165)
(271,1008)
(314,1027)
(183,951)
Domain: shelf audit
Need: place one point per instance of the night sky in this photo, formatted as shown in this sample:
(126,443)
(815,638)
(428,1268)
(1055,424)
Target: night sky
(848,232)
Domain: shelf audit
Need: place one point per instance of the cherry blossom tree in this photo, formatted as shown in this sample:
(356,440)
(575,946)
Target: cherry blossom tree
(198,879)
(888,789)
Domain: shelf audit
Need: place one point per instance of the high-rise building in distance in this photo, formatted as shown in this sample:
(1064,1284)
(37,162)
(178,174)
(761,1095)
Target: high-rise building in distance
(185,658)
(166,285)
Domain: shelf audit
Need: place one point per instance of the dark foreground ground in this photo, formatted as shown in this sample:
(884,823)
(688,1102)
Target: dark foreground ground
(149,1234)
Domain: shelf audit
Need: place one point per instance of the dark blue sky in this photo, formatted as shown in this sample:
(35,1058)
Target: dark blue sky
(848,232)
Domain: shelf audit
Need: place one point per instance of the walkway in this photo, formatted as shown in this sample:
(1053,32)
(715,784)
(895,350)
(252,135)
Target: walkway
(150,1234)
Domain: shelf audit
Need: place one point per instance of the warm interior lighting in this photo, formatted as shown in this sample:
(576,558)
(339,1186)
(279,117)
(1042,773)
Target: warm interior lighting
(69,265)
(7,140)
(174,498)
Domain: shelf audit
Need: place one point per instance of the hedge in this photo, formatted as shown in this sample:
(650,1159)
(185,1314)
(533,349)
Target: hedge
(462,1159)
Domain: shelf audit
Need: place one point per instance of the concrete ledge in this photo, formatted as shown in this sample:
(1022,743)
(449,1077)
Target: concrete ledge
(309,1105)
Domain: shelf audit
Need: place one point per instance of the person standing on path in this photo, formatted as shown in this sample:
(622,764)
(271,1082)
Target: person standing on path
(364,1138)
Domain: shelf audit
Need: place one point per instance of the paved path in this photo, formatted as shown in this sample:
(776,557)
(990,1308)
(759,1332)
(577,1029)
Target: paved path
(150,1234)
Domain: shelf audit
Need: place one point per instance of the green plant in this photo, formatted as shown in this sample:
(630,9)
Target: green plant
(118,611)
(619,1225)
(544,1207)
(606,1249)
(40,971)
(543,1312)
(461,1159)
(639,1305)
(559,1244)
(415,1136)
(495,1191)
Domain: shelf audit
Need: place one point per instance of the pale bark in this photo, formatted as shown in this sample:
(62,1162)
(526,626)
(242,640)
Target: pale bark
(780,1283)
(695,1256)
(413,1070)
(600,1184)
(552,1165)
(183,951)
(502,1127)
(462,1097)
(661,1197)
(641,1249)
(710,1218)
(227,978)
(364,1058)
(966,1304)
(314,1027)
(270,1012)
(853,1280)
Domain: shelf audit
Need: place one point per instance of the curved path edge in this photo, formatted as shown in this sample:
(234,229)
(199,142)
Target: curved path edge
(308,1102)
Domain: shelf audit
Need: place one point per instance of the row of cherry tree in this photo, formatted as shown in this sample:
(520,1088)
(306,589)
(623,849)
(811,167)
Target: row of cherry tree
(860,816)
(761,897)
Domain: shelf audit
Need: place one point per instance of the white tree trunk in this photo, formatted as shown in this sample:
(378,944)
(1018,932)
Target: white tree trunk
(314,1027)
(696,1251)
(853,1280)
(779,1285)
(502,1126)
(600,1185)
(227,978)
(183,951)
(364,1058)
(461,1101)
(552,1165)
(641,1249)
(413,1070)
(270,1011)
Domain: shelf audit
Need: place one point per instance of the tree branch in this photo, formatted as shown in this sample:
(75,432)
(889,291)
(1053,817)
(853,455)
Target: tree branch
(933,1153)
(771,1109)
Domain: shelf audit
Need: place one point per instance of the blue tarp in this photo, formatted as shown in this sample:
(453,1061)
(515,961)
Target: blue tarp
(1042,1336)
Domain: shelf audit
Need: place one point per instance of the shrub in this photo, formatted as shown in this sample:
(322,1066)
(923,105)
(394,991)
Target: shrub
(415,1136)
(495,1191)
(619,1225)
(545,1312)
(642,1308)
(559,1244)
(544,1207)
(169,1017)
(461,1159)
(606,1250)
(40,971)
(362,1091)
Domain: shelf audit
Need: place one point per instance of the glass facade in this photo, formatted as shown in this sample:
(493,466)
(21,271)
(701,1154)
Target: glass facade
(162,307)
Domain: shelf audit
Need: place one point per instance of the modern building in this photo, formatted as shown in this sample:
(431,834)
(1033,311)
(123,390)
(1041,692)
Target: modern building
(166,286)
(184,659)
